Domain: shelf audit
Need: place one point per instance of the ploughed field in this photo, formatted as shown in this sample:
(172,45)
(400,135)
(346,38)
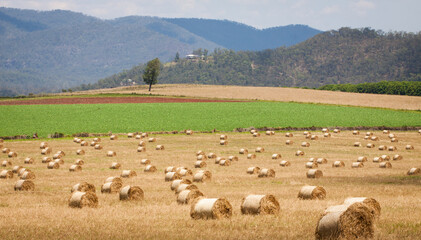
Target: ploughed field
(45,214)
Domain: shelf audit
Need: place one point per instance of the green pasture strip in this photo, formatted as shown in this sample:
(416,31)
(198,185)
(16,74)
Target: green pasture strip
(77,95)
(225,116)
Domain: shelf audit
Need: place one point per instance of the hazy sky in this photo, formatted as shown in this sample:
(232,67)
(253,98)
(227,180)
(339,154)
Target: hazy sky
(387,15)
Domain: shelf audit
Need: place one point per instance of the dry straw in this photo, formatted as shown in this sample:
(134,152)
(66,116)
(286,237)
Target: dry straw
(24,185)
(202,176)
(312,192)
(92,144)
(83,199)
(305,133)
(377,159)
(83,187)
(369,134)
(289,142)
(144,135)
(285,163)
(372,203)
(79,140)
(265,172)
(53,165)
(27,175)
(414,171)
(200,164)
(111,154)
(177,182)
(111,187)
(138,136)
(385,165)
(170,176)
(210,208)
(6,174)
(243,151)
(57,156)
(386,132)
(338,164)
(184,186)
(260,149)
(187,196)
(385,157)
(131,193)
(145,161)
(150,168)
(260,204)
(128,174)
(200,152)
(75,168)
(366,138)
(314,173)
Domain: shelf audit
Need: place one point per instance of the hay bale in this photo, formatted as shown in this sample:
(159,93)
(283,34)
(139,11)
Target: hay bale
(414,171)
(355,132)
(357,144)
(305,144)
(392,148)
(253,131)
(385,157)
(243,151)
(189,132)
(201,157)
(57,156)
(326,135)
(171,176)
(370,145)
(289,142)
(83,187)
(314,137)
(369,134)
(357,165)
(79,162)
(256,134)
(24,185)
(312,192)
(386,132)
(114,179)
(22,170)
(111,187)
(5,150)
(305,133)
(223,142)
(84,144)
(43,145)
(366,138)
(141,144)
(200,164)
(200,152)
(259,149)
(202,176)
(12,154)
(289,134)
(391,136)
(177,182)
(211,155)
(265,172)
(336,130)
(346,222)
(169,169)
(394,140)
(80,152)
(321,160)
(210,208)
(338,164)
(138,136)
(46,151)
(92,144)
(374,138)
(314,173)
(362,159)
(397,157)
(111,154)
(152,139)
(28,160)
(6,174)
(141,149)
(46,160)
(385,165)
(185,172)
(16,169)
(144,135)
(251,156)
(407,147)
(59,161)
(53,165)
(382,147)
(75,139)
(223,137)
(187,196)
(128,174)
(113,137)
(130,135)
(372,203)
(299,153)
(184,186)
(150,168)
(260,205)
(233,158)
(284,163)
(98,146)
(377,159)
(83,199)
(75,168)
(276,156)
(6,163)
(27,175)
(270,133)
(311,165)
(253,170)
(131,193)
(145,161)
(225,163)
(325,130)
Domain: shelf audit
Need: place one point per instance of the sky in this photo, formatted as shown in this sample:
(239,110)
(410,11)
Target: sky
(386,15)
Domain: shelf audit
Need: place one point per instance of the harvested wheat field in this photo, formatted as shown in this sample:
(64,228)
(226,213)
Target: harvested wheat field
(44,213)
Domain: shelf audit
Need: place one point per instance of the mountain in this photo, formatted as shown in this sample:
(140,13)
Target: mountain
(44,51)
(334,57)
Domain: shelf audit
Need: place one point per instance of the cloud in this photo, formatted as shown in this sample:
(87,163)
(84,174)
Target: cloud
(330,10)
(363,6)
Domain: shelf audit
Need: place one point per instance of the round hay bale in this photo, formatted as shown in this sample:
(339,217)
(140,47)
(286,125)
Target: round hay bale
(385,157)
(200,152)
(189,132)
(113,137)
(92,144)
(28,160)
(84,143)
(372,203)
(407,147)
(357,144)
(128,174)
(22,170)
(53,165)
(233,158)
(382,147)
(392,148)
(141,149)
(311,165)
(223,137)
(79,140)
(201,157)
(285,163)
(362,159)
(256,134)
(57,156)
(6,163)
(6,174)
(265,172)
(144,135)
(97,139)
(276,156)
(83,199)
(185,172)
(260,204)
(46,160)
(338,164)
(210,208)
(169,169)
(325,130)
(27,175)
(24,185)
(187,196)
(114,179)
(159,147)
(355,132)
(253,170)
(270,133)
(391,136)
(366,138)
(170,176)
(305,133)
(46,151)
(111,187)
(394,140)
(79,162)
(75,168)
(386,132)
(305,144)
(336,130)
(385,165)
(312,192)
(177,182)
(98,146)
(314,173)
(5,150)
(299,153)
(243,151)
(327,135)
(80,152)
(223,142)
(83,187)
(111,154)
(313,137)
(369,134)
(377,159)
(414,171)
(321,161)
(43,145)
(397,157)
(251,156)
(59,161)
(184,186)
(12,154)
(370,145)
(347,222)
(211,155)
(202,176)
(141,144)
(289,134)
(225,163)
(152,139)
(130,135)
(289,142)
(16,169)
(200,164)
(131,193)
(138,136)
(145,161)
(374,138)
(260,149)
(150,168)
(218,159)
(357,165)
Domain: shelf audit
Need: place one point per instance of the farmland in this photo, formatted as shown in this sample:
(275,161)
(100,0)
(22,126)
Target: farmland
(44,213)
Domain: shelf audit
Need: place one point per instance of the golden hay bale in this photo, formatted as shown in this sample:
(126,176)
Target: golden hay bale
(385,165)
(12,154)
(305,144)
(152,139)
(187,196)
(177,182)
(276,156)
(357,144)
(83,199)
(253,131)
(259,149)
(28,160)
(312,160)
(184,186)
(200,164)
(327,135)
(111,154)
(141,144)
(314,137)
(265,172)
(285,163)
(289,142)
(128,174)
(391,136)
(397,157)
(150,168)
(366,138)
(325,130)
(355,132)
(305,133)
(62,154)
(57,156)
(79,140)
(394,140)
(414,171)
(145,161)
(202,176)
(321,160)
(53,165)
(130,135)
(43,145)
(251,156)
(80,152)
(382,147)
(144,135)
(223,142)
(131,193)
(370,145)
(372,203)
(84,143)
(16,169)
(169,169)
(407,147)
(374,138)
(270,133)
(5,150)
(314,173)
(200,152)
(92,144)
(243,151)
(75,168)
(27,175)
(201,157)
(79,162)
(233,158)
(223,137)
(6,174)
(419,131)
(338,164)
(346,222)
(312,192)
(189,132)
(225,163)
(83,187)
(357,165)
(311,165)
(256,134)
(113,137)
(6,163)
(111,187)
(1,140)
(138,136)
(377,159)
(98,146)
(46,151)
(170,176)
(185,172)
(22,170)
(24,185)
(46,160)
(336,130)
(386,132)
(114,179)
(392,148)
(260,204)
(299,153)
(59,161)
(211,155)
(369,134)
(289,134)
(362,159)
(253,170)
(385,157)
(210,208)
(141,149)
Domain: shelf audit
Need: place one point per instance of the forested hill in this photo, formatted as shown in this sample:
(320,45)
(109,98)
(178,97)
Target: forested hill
(334,57)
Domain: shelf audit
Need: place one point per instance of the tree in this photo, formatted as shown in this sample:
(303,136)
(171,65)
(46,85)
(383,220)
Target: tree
(177,57)
(150,75)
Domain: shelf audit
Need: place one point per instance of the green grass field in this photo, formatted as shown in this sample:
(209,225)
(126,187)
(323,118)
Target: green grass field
(101,118)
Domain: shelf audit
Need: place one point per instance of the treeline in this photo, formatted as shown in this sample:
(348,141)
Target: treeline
(383,87)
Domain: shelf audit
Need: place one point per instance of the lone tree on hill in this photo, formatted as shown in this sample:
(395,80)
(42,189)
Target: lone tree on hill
(150,75)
